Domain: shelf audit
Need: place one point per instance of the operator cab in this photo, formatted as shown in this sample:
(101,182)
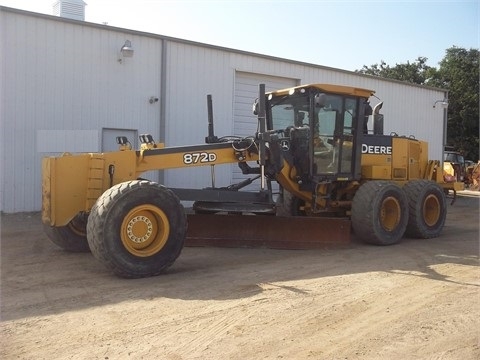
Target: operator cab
(324,125)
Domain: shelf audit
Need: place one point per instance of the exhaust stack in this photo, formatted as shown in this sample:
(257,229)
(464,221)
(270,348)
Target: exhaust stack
(377,119)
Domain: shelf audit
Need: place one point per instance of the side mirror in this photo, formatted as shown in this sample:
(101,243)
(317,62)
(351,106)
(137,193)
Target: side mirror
(320,100)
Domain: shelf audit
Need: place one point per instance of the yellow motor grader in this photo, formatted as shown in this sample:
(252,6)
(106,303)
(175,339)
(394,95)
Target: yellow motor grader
(333,173)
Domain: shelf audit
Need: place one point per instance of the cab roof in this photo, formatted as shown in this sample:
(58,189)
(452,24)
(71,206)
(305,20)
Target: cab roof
(329,88)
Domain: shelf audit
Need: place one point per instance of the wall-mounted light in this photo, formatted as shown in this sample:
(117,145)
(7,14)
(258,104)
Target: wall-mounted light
(443,103)
(153,99)
(126,50)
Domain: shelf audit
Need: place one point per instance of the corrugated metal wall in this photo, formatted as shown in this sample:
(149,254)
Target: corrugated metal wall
(63,89)
(61,85)
(193,72)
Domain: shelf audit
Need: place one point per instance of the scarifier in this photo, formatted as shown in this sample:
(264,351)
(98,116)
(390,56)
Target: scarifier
(333,175)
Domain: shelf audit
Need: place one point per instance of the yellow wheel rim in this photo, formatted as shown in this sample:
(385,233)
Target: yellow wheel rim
(145,230)
(390,213)
(431,210)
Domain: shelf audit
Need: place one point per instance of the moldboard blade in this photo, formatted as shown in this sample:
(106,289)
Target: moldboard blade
(272,232)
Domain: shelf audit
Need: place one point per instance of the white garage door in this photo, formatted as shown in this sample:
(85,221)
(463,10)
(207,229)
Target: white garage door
(245,123)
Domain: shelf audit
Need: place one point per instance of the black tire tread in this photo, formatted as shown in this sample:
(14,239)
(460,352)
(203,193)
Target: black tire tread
(416,191)
(364,213)
(96,229)
(68,240)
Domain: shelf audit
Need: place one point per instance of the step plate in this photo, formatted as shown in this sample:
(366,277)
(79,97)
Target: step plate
(265,231)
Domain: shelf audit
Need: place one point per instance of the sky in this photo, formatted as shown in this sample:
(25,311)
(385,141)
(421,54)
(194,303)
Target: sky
(339,34)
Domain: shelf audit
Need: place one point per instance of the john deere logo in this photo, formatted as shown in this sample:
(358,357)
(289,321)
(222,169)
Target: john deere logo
(376,149)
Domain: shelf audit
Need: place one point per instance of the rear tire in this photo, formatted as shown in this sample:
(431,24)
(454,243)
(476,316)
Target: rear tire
(137,229)
(427,209)
(71,237)
(380,213)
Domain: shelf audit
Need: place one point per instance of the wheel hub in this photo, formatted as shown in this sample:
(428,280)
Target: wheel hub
(139,229)
(145,230)
(390,213)
(431,210)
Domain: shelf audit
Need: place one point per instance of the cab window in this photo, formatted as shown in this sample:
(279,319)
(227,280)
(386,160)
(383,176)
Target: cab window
(290,111)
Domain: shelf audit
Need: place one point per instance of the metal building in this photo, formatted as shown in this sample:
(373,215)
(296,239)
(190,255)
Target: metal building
(66,86)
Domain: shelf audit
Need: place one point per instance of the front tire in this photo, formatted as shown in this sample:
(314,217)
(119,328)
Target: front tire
(137,229)
(380,213)
(427,209)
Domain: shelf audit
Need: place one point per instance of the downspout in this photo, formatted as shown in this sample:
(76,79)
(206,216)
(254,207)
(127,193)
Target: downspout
(445,118)
(163,101)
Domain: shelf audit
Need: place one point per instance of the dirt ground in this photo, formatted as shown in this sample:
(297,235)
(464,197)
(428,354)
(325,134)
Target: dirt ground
(419,299)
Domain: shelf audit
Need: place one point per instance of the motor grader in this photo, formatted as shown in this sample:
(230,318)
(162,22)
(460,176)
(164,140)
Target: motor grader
(312,140)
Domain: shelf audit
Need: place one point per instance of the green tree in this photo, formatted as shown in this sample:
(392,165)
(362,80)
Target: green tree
(417,72)
(458,73)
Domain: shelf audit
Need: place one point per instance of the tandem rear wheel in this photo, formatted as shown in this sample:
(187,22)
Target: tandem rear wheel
(383,212)
(380,213)
(427,209)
